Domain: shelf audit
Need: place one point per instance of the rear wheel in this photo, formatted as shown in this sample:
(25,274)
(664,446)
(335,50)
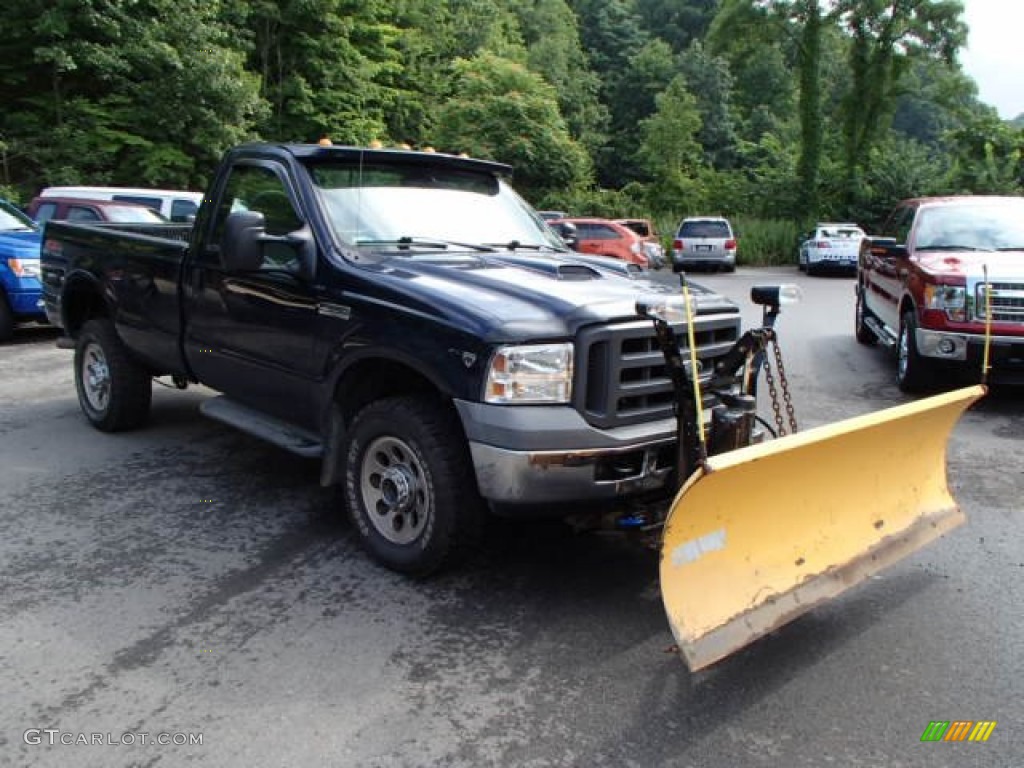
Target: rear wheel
(912,374)
(409,485)
(114,391)
(864,334)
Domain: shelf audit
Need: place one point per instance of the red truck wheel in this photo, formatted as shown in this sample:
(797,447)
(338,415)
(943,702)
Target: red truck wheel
(912,371)
(864,334)
(114,391)
(409,486)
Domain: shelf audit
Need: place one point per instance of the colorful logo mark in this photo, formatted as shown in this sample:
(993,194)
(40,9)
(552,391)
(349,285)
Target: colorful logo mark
(958,730)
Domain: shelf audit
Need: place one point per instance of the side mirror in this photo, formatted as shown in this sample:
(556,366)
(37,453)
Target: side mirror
(567,231)
(240,248)
(887,248)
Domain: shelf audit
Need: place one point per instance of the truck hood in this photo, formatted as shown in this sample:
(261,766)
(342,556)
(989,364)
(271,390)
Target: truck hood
(1002,265)
(515,296)
(20,245)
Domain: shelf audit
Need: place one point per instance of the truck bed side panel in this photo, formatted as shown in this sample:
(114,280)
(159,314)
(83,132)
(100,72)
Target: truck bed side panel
(138,269)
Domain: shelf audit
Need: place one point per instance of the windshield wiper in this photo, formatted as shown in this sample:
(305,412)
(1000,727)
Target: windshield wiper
(515,245)
(942,247)
(408,241)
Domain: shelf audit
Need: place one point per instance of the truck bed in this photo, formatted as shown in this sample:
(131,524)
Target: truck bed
(138,267)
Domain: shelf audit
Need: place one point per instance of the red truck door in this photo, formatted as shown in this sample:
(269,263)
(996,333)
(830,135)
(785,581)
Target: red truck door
(885,276)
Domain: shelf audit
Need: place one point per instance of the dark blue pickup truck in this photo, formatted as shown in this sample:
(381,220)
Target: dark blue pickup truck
(402,316)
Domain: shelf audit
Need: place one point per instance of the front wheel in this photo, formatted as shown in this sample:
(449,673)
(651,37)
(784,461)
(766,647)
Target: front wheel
(864,334)
(912,374)
(409,485)
(114,391)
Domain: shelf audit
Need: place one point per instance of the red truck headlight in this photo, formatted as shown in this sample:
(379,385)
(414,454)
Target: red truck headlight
(951,299)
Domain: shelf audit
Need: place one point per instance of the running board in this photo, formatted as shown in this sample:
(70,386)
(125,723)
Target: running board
(884,335)
(273,430)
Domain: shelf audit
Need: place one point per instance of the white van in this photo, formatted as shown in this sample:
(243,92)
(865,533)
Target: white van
(175,205)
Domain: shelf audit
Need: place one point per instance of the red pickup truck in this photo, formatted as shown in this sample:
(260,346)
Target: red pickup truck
(921,287)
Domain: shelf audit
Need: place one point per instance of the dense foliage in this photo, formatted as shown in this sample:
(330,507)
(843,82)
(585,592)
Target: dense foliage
(790,110)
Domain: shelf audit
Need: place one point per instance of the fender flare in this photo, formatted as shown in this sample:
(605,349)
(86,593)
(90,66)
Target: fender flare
(332,416)
(80,281)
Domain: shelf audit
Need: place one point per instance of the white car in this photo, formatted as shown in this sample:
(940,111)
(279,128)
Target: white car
(831,247)
(173,205)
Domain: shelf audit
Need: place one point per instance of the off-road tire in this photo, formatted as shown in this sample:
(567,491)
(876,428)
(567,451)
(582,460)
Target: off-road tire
(114,391)
(410,489)
(864,334)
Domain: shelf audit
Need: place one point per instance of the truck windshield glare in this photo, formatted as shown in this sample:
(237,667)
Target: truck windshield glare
(378,204)
(979,227)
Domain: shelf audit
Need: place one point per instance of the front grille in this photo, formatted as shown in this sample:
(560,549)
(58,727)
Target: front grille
(624,380)
(1007,302)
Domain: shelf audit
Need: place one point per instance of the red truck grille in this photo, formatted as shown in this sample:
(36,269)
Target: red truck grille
(1007,302)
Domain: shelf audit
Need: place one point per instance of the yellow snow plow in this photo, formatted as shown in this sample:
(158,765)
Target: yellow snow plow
(759,535)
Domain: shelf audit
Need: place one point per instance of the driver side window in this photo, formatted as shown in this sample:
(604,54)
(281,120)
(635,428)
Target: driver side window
(257,188)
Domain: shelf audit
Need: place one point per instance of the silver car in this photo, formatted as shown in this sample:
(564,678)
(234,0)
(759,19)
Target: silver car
(705,241)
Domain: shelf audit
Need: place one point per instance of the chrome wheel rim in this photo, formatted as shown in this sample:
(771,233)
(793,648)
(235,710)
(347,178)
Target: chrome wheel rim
(95,376)
(902,354)
(394,490)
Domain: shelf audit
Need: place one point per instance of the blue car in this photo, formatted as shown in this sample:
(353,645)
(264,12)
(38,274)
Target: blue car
(20,290)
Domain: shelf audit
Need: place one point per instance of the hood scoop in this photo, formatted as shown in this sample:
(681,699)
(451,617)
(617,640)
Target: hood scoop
(551,266)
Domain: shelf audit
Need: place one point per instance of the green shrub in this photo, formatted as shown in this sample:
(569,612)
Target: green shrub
(766,242)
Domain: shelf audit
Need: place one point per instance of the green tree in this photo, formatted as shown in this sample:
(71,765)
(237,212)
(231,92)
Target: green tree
(325,67)
(677,23)
(798,25)
(708,77)
(502,111)
(647,74)
(986,155)
(670,152)
(555,51)
(147,92)
(885,36)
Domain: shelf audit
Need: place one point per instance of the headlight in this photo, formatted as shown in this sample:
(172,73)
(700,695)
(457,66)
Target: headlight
(952,299)
(24,267)
(530,373)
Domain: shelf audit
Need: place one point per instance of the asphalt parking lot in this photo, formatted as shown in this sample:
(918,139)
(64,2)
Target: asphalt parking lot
(189,582)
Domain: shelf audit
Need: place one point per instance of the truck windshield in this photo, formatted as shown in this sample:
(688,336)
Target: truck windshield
(380,206)
(985,226)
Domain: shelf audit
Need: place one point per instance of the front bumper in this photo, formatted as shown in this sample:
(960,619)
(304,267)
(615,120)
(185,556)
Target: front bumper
(959,347)
(27,303)
(530,455)
(965,351)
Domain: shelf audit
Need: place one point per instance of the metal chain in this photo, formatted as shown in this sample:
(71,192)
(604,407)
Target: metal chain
(790,412)
(780,430)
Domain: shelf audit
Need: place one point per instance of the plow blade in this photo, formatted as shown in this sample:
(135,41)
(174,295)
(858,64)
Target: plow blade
(767,532)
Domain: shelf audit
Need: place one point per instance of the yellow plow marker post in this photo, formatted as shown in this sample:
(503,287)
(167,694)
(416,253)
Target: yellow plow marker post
(763,534)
